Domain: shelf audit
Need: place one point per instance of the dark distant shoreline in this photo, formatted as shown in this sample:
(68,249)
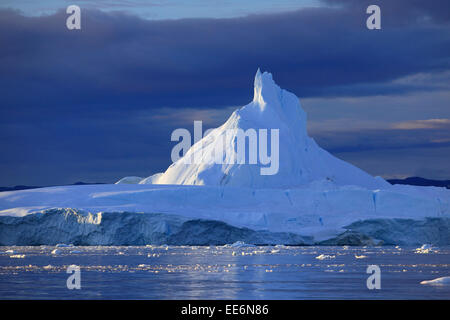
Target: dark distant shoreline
(20,187)
(418,181)
(414,181)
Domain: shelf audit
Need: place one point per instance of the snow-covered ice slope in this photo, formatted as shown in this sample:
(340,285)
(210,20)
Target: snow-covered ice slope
(314,197)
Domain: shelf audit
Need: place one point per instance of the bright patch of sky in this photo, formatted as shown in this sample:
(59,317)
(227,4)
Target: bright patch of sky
(164,9)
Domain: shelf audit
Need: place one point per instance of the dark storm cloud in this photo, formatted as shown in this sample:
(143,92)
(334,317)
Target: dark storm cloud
(384,139)
(394,150)
(402,11)
(72,101)
(118,59)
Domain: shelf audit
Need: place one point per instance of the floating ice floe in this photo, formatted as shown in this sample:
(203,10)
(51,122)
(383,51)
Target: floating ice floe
(426,248)
(360,257)
(154,255)
(438,281)
(240,244)
(258,252)
(325,256)
(56,251)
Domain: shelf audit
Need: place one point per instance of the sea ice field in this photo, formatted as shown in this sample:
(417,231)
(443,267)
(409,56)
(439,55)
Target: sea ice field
(236,271)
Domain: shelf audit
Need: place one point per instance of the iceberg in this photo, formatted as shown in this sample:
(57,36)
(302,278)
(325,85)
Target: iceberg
(301,160)
(325,256)
(438,281)
(130,180)
(315,198)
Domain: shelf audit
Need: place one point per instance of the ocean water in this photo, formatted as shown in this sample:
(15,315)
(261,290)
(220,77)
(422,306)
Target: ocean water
(221,272)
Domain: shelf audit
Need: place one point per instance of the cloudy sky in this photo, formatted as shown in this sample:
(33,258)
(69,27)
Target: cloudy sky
(100,103)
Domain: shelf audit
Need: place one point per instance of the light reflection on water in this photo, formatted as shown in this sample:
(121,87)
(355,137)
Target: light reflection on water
(218,272)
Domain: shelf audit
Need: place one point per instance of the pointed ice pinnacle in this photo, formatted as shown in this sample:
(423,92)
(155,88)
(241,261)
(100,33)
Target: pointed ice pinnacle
(265,89)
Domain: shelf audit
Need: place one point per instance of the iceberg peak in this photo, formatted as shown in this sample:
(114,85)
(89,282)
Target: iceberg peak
(265,89)
(299,159)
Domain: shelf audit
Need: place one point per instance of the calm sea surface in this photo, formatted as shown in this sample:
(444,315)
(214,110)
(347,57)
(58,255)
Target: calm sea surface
(221,272)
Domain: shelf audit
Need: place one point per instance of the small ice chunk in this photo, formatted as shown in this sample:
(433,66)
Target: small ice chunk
(325,256)
(426,248)
(438,281)
(150,255)
(241,244)
(259,251)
